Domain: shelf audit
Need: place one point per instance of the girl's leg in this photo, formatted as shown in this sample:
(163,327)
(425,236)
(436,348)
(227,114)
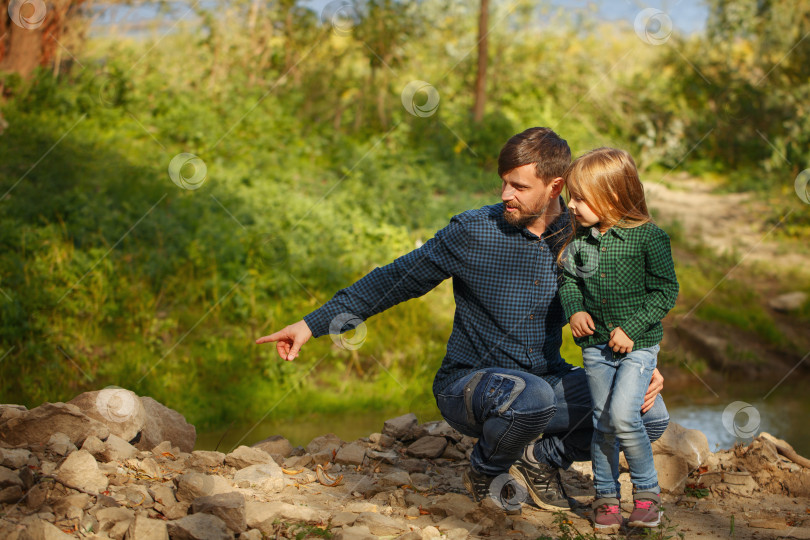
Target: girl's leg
(632,379)
(601,371)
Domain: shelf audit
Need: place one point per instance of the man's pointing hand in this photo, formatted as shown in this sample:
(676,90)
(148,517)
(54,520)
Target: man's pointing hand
(289,340)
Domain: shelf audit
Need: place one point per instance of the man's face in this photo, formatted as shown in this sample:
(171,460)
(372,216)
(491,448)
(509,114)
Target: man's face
(525,196)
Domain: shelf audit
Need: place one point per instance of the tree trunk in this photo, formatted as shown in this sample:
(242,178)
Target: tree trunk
(481,77)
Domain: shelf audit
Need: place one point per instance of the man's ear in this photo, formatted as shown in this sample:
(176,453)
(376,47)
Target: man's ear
(557,186)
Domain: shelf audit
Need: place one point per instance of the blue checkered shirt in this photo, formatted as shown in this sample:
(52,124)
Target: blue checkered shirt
(505,281)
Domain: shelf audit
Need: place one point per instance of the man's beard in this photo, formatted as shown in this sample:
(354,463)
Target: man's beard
(525,216)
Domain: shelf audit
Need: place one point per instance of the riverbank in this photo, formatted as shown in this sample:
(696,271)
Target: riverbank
(91,469)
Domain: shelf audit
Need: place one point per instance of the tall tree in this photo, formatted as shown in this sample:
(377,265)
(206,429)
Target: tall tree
(481,77)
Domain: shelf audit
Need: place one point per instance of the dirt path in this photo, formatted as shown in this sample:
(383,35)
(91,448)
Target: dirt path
(731,223)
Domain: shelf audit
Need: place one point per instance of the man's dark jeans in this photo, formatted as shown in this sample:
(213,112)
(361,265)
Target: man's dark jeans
(507,410)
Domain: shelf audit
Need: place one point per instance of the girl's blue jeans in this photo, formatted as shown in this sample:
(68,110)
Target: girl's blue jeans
(617,387)
(508,410)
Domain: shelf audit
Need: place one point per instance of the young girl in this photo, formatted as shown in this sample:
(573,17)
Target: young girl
(618,283)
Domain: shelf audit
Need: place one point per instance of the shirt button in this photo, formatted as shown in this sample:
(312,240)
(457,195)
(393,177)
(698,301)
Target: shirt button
(531,316)
(537,282)
(604,248)
(604,300)
(531,350)
(542,248)
(602,274)
(610,325)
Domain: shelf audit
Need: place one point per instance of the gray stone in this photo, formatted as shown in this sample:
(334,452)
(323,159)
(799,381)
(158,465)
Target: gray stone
(193,485)
(204,459)
(15,458)
(390,456)
(452,504)
(64,507)
(229,507)
(136,496)
(198,527)
(672,472)
(36,426)
(9,478)
(400,426)
(451,523)
(40,529)
(117,449)
(11,494)
(438,428)
(117,408)
(275,444)
(9,411)
(380,525)
(430,532)
(453,453)
(94,445)
(147,466)
(60,444)
(351,454)
(143,528)
(421,481)
(343,519)
(114,521)
(80,470)
(428,447)
(261,515)
(325,443)
(162,493)
(165,424)
(252,534)
(267,477)
(383,441)
(792,301)
(245,456)
(358,532)
(396,478)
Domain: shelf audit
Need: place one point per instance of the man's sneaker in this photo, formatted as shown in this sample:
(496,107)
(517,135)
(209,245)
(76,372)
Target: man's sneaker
(543,483)
(607,515)
(502,489)
(646,510)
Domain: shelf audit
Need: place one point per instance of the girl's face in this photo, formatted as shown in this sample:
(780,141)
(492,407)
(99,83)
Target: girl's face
(581,211)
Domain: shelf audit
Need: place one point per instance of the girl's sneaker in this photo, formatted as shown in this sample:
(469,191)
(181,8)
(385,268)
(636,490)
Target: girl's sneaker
(646,510)
(607,515)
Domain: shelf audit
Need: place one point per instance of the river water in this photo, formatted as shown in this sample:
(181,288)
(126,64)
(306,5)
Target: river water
(727,414)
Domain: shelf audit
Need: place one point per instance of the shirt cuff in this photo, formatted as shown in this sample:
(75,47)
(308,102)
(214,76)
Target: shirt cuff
(634,327)
(572,306)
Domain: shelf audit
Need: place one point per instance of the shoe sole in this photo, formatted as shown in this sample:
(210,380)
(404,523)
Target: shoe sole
(609,529)
(518,475)
(646,524)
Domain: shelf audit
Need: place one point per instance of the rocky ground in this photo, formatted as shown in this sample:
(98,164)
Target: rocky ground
(112,465)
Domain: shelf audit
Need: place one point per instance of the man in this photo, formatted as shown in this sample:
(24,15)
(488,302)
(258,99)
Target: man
(503,379)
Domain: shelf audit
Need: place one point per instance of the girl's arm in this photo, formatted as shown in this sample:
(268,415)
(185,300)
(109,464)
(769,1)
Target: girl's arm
(660,282)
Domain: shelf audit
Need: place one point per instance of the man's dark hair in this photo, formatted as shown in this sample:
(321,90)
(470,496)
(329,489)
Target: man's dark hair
(539,145)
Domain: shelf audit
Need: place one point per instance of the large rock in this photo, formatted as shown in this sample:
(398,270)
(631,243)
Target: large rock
(36,426)
(229,507)
(400,426)
(42,530)
(199,527)
(351,454)
(428,447)
(689,444)
(275,445)
(261,515)
(325,443)
(143,528)
(672,472)
(205,459)
(193,485)
(117,408)
(245,456)
(266,477)
(165,424)
(80,470)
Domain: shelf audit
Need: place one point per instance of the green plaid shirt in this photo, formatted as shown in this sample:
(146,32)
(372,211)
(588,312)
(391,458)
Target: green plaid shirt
(623,278)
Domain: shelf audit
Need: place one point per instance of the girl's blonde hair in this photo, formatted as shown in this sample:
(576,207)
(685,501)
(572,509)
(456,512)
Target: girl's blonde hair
(607,180)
